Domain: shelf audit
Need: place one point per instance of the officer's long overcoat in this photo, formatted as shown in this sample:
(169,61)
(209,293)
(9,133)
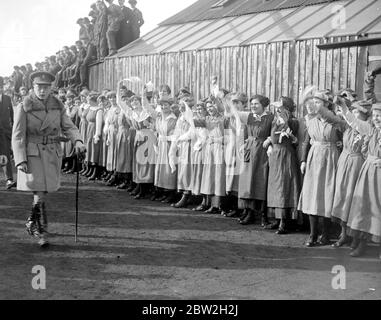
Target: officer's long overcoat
(33,120)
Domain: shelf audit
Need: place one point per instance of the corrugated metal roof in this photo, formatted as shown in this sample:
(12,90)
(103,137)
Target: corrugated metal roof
(202,9)
(310,22)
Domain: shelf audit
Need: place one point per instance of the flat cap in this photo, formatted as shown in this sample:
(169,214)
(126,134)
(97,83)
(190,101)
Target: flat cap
(42,77)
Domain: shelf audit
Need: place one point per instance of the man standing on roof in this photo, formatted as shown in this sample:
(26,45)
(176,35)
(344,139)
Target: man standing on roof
(115,17)
(136,21)
(125,32)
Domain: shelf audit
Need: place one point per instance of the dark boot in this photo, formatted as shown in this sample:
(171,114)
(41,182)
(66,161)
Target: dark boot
(72,167)
(142,192)
(171,197)
(88,168)
(202,206)
(113,181)
(249,219)
(95,174)
(84,169)
(33,224)
(90,172)
(360,250)
(136,190)
(324,238)
(312,240)
(183,201)
(156,194)
(243,214)
(355,242)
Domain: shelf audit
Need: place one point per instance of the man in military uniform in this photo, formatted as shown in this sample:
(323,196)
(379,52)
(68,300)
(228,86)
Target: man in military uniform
(39,123)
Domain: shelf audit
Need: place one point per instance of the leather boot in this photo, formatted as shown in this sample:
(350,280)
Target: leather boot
(90,172)
(360,250)
(244,214)
(33,223)
(170,198)
(113,181)
(95,174)
(183,201)
(84,169)
(72,167)
(88,168)
(249,219)
(135,191)
(324,238)
(142,192)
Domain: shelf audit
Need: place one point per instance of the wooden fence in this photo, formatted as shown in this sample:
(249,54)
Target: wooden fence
(273,69)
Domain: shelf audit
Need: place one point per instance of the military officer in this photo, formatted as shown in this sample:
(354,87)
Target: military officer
(40,124)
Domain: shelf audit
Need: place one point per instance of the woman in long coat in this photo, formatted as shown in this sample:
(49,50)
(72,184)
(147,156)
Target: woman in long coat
(111,136)
(364,220)
(94,131)
(283,188)
(197,156)
(183,146)
(72,108)
(253,180)
(348,169)
(165,177)
(124,155)
(213,182)
(82,114)
(317,195)
(39,122)
(234,136)
(144,142)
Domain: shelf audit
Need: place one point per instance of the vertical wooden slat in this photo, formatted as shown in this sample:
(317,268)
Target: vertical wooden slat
(286,68)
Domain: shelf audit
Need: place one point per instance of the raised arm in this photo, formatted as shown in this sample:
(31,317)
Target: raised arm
(363,127)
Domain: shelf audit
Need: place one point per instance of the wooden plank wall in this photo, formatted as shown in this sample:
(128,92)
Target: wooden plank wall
(272,69)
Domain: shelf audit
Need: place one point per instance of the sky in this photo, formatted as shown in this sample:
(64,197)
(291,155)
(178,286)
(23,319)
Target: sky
(32,30)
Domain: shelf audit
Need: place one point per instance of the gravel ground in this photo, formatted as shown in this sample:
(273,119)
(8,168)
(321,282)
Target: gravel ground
(138,249)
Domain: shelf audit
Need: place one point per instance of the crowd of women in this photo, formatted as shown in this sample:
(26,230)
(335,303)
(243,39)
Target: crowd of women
(239,157)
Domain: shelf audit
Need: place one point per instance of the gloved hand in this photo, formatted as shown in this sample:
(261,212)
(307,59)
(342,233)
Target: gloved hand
(23,167)
(80,149)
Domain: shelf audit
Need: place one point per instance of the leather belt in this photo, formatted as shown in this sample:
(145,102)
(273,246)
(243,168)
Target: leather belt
(46,139)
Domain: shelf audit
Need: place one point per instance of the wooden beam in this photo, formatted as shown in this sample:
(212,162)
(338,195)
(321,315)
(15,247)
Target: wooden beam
(351,43)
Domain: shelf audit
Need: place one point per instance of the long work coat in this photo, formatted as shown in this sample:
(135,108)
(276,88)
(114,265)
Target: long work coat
(318,190)
(33,121)
(348,170)
(364,218)
(283,188)
(255,166)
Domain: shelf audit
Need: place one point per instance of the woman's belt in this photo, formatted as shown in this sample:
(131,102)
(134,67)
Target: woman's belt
(324,143)
(352,153)
(374,160)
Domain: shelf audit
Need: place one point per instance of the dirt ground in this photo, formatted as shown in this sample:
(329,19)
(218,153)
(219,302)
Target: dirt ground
(131,249)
